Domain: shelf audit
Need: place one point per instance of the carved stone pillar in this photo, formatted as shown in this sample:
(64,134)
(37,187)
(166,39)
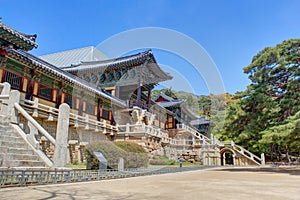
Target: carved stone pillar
(61,145)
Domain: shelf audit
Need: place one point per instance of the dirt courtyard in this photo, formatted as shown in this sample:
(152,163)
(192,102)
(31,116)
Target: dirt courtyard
(209,184)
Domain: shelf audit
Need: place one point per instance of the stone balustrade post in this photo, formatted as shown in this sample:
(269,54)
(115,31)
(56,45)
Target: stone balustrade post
(127,128)
(104,127)
(5,91)
(232,143)
(14,97)
(61,146)
(87,127)
(35,105)
(5,88)
(50,117)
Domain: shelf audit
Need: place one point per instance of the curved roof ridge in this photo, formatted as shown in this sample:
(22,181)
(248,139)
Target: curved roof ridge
(141,54)
(29,39)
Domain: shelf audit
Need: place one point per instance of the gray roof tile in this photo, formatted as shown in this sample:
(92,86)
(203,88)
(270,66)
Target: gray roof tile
(74,57)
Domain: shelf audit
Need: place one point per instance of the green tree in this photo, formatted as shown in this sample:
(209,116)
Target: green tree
(269,102)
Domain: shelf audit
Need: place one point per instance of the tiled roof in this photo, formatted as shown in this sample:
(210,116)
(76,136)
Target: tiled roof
(175,102)
(199,121)
(74,57)
(163,95)
(18,39)
(123,62)
(170,103)
(62,74)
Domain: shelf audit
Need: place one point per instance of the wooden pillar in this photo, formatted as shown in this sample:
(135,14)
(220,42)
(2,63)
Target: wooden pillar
(117,91)
(149,99)
(139,94)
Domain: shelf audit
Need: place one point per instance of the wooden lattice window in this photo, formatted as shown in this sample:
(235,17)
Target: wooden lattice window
(13,79)
(105,114)
(89,108)
(45,92)
(70,100)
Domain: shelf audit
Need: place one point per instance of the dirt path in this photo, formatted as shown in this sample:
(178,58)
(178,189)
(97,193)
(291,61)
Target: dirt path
(205,184)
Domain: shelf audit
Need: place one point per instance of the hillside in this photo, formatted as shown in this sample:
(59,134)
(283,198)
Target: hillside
(211,106)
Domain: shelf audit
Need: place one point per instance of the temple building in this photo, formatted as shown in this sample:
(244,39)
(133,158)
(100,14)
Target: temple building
(56,104)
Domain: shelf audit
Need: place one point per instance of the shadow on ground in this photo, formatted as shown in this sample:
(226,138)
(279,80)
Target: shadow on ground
(285,170)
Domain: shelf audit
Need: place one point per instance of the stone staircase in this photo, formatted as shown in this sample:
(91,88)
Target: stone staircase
(211,147)
(14,150)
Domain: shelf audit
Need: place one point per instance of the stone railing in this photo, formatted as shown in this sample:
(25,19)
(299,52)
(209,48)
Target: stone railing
(17,177)
(246,153)
(182,142)
(40,110)
(142,129)
(215,141)
(32,131)
(195,133)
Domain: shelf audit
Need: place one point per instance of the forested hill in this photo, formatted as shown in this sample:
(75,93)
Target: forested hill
(211,106)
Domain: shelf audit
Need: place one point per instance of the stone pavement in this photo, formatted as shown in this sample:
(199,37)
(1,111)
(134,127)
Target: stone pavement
(210,184)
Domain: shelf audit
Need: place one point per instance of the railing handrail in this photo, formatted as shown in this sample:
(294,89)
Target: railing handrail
(245,150)
(73,116)
(35,123)
(2,97)
(160,133)
(200,136)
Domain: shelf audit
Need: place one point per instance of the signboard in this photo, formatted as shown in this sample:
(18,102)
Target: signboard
(102,160)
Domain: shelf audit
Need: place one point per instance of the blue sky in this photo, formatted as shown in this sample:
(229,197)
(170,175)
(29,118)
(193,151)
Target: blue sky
(231,31)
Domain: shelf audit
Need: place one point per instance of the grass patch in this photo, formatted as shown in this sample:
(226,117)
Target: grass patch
(161,160)
(76,165)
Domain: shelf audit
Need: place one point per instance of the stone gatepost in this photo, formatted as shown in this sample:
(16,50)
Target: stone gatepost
(61,145)
(263,161)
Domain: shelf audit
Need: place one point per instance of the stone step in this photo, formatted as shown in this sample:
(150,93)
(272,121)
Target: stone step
(14,150)
(19,150)
(14,144)
(12,156)
(3,149)
(23,163)
(7,131)
(3,126)
(7,138)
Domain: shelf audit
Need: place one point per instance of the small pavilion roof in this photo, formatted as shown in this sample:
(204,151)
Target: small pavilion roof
(200,121)
(23,55)
(166,97)
(74,57)
(170,104)
(18,39)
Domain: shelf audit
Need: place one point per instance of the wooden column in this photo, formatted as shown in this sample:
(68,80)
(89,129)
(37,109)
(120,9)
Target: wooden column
(117,91)
(149,99)
(139,94)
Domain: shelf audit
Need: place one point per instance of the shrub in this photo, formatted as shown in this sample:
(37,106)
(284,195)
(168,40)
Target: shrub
(161,160)
(133,154)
